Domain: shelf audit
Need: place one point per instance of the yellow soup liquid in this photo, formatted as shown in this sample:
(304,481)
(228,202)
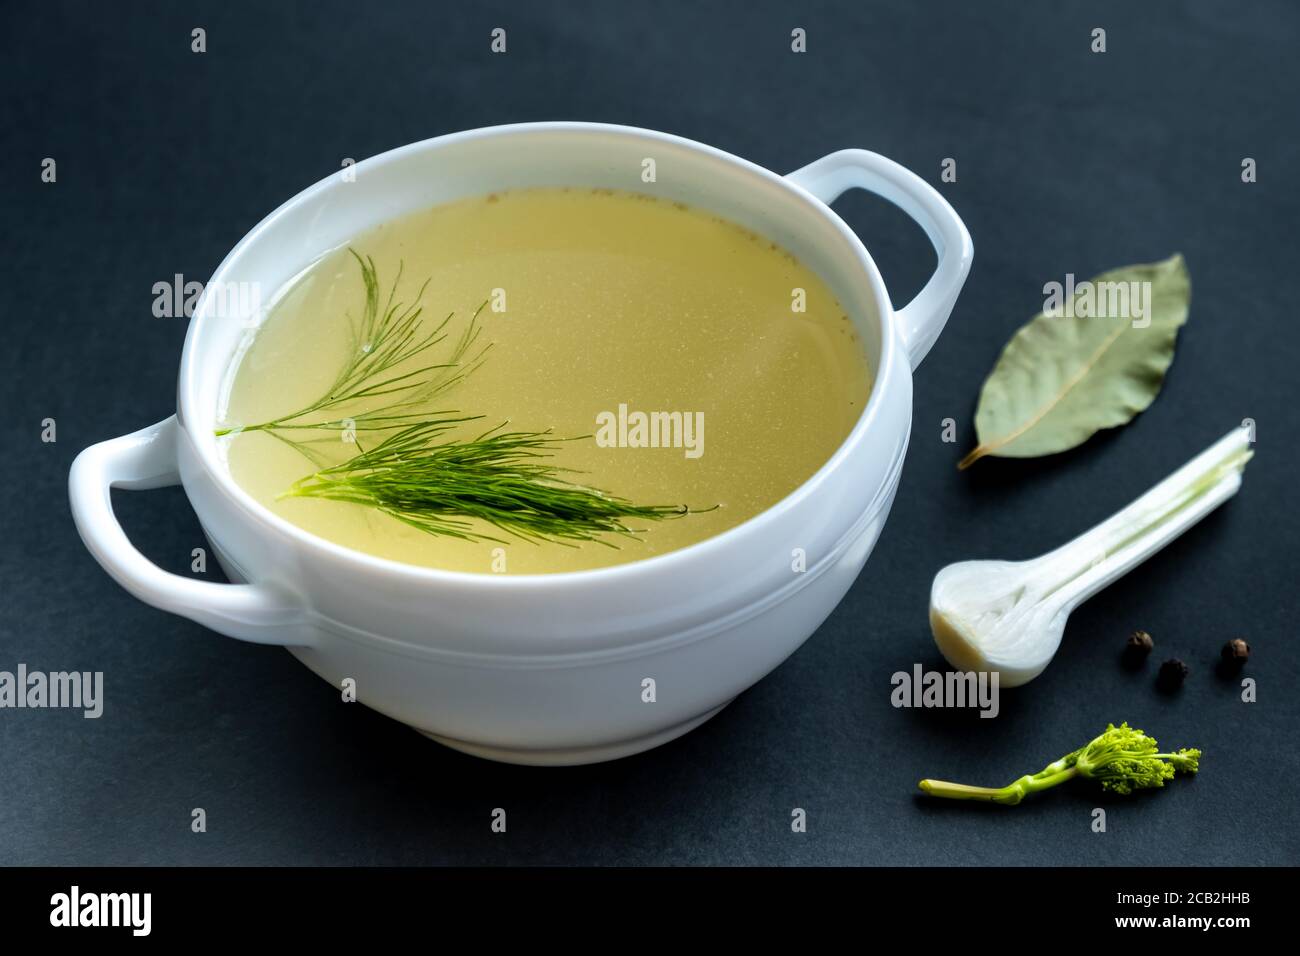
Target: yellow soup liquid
(600,305)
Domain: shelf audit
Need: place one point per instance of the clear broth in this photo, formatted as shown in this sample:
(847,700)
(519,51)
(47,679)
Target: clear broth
(609,298)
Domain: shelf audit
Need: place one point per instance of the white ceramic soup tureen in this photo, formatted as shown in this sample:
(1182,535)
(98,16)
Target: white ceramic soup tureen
(541,669)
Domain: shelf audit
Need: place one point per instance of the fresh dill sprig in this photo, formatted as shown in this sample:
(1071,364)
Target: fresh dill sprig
(383,339)
(436,484)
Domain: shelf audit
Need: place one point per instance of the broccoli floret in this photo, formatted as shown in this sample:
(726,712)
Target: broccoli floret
(1122,759)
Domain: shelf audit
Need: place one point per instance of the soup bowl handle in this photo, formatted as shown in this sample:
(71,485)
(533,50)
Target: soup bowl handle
(147,459)
(922,319)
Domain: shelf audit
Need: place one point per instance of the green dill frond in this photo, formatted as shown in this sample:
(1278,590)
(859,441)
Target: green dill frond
(369,393)
(442,485)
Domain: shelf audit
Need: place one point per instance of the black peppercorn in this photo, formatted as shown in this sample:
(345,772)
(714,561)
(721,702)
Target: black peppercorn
(1172,674)
(1235,652)
(1139,643)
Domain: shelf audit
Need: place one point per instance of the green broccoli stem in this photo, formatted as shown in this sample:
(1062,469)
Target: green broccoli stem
(1121,759)
(1053,774)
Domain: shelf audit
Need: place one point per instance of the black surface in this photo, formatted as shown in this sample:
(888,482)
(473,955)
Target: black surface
(1068,161)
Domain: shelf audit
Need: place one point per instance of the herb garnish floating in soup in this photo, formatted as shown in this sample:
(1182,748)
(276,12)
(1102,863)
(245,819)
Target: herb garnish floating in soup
(420,473)
(600,362)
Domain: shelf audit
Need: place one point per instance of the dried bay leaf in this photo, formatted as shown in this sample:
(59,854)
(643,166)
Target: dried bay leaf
(1064,377)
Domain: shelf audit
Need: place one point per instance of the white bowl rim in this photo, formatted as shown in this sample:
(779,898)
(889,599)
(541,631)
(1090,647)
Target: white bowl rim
(205,446)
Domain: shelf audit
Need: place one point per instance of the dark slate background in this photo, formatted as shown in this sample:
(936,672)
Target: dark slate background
(1068,161)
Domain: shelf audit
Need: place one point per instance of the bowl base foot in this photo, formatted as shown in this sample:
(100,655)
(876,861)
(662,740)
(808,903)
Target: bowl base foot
(573,756)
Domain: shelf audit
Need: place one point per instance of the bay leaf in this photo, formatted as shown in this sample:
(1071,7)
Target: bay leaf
(1063,377)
